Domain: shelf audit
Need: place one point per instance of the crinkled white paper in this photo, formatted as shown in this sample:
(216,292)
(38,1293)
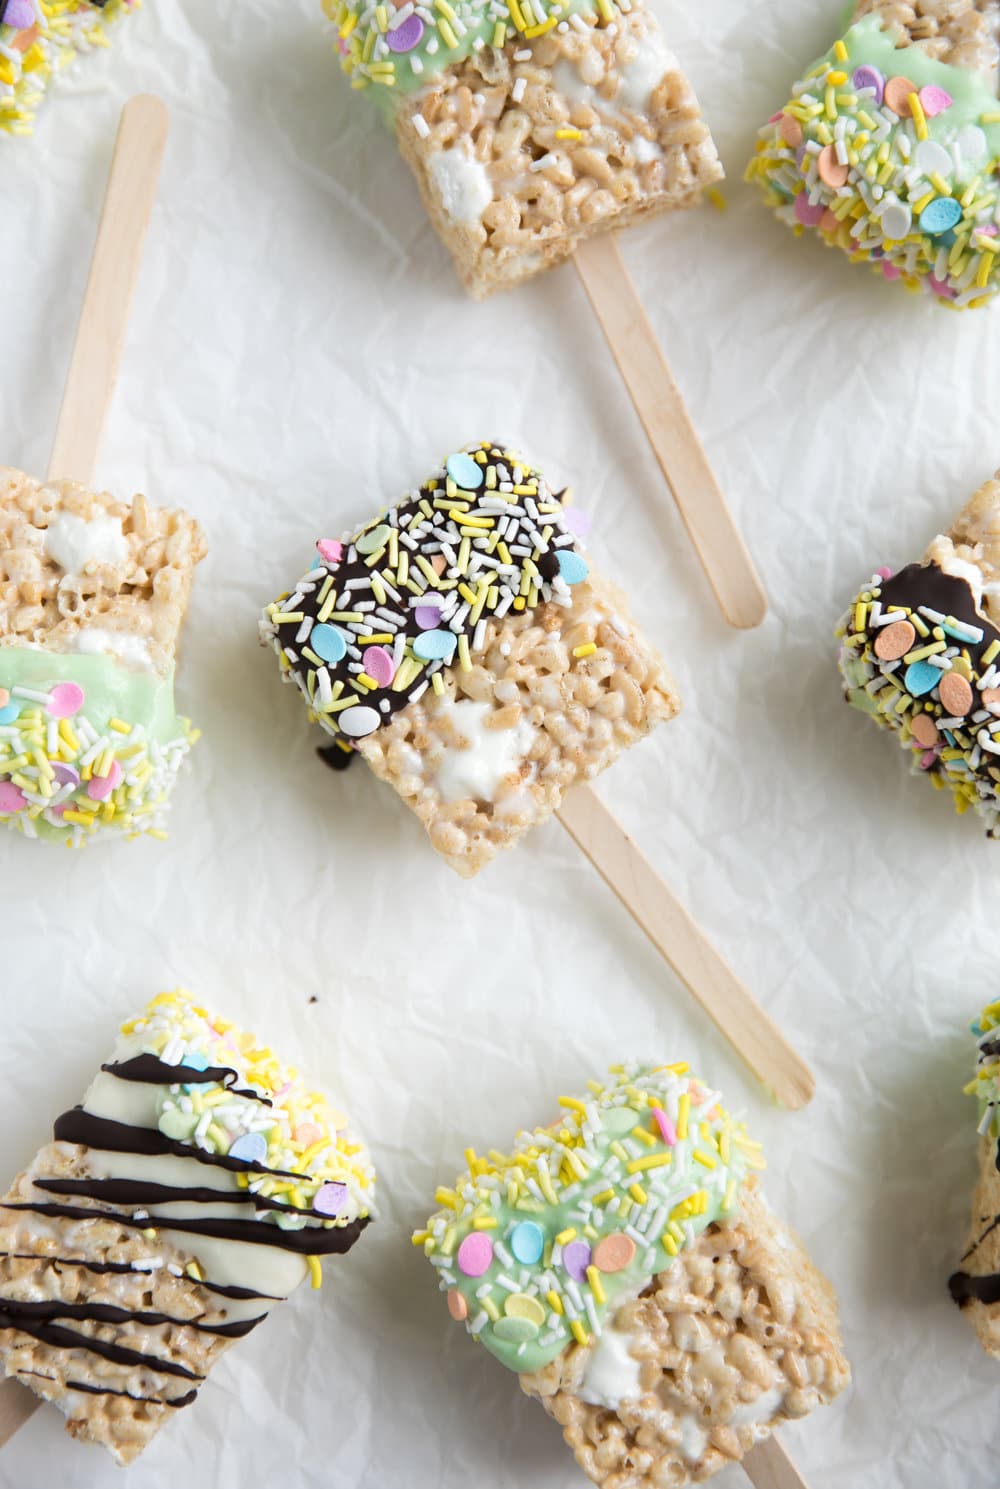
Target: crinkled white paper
(299,353)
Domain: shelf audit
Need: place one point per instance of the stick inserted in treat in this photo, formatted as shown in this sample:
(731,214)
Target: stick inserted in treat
(658,402)
(463,644)
(100,337)
(535,131)
(95,590)
(768,1466)
(623,1262)
(686,948)
(199,1183)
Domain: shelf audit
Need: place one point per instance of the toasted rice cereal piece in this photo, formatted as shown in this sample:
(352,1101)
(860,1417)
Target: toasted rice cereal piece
(964,33)
(739,1334)
(519,161)
(139,586)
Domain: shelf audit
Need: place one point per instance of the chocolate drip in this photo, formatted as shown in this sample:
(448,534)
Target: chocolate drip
(62,1338)
(311,1241)
(225,1290)
(78,1385)
(965,1288)
(108,1313)
(146,1192)
(150,1071)
(927,584)
(87,1131)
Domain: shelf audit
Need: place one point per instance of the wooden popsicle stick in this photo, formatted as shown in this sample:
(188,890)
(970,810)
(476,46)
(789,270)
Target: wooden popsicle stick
(90,384)
(685,947)
(93,370)
(711,528)
(768,1466)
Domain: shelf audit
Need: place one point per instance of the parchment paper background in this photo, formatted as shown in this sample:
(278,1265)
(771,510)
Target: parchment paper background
(299,353)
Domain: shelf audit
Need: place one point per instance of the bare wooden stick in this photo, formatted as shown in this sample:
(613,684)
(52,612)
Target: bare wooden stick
(711,528)
(768,1466)
(93,371)
(90,385)
(685,947)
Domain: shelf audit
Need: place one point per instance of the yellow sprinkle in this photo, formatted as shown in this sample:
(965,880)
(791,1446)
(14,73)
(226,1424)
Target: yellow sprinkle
(652,1160)
(565,1236)
(587,650)
(596,1286)
(605,1197)
(484,1222)
(669,1243)
(315,1271)
(919,118)
(638,1193)
(464,656)
(569,134)
(449,37)
(644,1136)
(119,726)
(939,183)
(554,1301)
(683,1110)
(840,51)
(838,79)
(578,1331)
(705,1159)
(717,199)
(499,34)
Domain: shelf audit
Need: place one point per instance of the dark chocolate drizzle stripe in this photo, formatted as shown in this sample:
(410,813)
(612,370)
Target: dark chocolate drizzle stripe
(87,1131)
(78,1385)
(965,1288)
(315,1240)
(225,1290)
(61,1338)
(146,1192)
(109,1313)
(147,1070)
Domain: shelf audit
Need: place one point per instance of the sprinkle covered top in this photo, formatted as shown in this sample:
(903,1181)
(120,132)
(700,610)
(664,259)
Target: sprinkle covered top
(396,48)
(892,156)
(37,37)
(381,614)
(535,1247)
(233,1099)
(920,659)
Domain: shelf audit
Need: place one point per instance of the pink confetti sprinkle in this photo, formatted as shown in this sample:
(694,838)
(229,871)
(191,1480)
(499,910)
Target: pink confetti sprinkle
(379,665)
(668,1131)
(307,1133)
(934,100)
(884,573)
(928,759)
(941,288)
(101,787)
(807,214)
(889,270)
(65,699)
(12,798)
(330,551)
(989,231)
(475,1254)
(777,118)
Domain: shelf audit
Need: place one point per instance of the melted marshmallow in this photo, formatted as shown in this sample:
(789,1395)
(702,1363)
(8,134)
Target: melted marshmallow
(463,184)
(93,640)
(638,78)
(73,543)
(477,771)
(762,1409)
(694,1438)
(612,1373)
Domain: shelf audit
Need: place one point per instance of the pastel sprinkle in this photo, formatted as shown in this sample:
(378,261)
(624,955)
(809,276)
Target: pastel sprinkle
(379,665)
(99,788)
(65,700)
(475,1254)
(527,1242)
(668,1131)
(407,35)
(940,215)
(251,1147)
(373,540)
(934,100)
(359,721)
(464,471)
(330,1198)
(572,566)
(435,645)
(330,552)
(576,1260)
(328,642)
(12,798)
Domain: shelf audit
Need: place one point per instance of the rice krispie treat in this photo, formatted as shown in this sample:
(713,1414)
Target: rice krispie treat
(199,1182)
(888,146)
(38,38)
(530,124)
(463,645)
(624,1263)
(976,1287)
(920,654)
(93,593)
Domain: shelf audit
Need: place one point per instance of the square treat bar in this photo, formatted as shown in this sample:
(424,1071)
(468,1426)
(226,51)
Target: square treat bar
(920,654)
(464,646)
(199,1182)
(530,124)
(38,38)
(624,1263)
(92,598)
(976,1287)
(888,147)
